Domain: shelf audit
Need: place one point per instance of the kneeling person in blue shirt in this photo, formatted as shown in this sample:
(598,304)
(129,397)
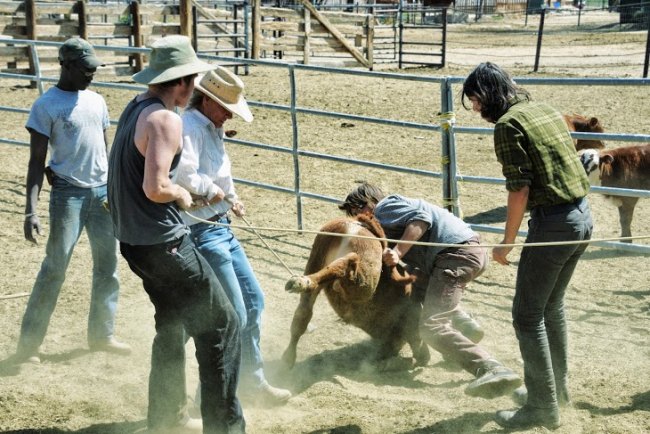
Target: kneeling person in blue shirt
(445,272)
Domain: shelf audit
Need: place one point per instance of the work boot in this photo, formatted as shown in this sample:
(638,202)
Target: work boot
(272,395)
(467,325)
(528,417)
(189,425)
(110,345)
(265,394)
(492,380)
(24,355)
(520,396)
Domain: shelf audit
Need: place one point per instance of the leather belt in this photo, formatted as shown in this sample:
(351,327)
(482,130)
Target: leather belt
(217,217)
(559,208)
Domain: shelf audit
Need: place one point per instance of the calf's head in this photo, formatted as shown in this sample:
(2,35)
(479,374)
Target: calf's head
(590,159)
(583,124)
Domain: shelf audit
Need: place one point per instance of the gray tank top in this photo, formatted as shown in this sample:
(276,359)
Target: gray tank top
(136,219)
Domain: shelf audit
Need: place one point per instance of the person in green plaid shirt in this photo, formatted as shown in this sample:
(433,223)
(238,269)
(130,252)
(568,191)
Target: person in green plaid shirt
(543,175)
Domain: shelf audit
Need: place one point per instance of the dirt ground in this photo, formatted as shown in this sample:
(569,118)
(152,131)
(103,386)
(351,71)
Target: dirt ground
(336,388)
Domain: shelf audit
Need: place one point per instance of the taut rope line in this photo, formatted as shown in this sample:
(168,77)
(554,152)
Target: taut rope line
(252,229)
(418,243)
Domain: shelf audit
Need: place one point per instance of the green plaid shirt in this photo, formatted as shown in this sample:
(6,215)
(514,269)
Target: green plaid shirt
(533,144)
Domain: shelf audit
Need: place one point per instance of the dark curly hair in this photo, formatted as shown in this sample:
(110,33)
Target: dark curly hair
(363,194)
(493,87)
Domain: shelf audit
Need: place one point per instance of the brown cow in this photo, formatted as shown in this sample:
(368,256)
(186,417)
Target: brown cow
(582,124)
(625,167)
(360,290)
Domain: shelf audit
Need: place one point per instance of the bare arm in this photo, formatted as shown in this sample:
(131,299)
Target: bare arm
(517,201)
(413,232)
(106,140)
(35,170)
(162,142)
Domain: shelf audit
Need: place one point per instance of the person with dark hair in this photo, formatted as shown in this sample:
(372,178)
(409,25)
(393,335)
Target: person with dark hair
(145,205)
(71,120)
(443,273)
(543,175)
(205,171)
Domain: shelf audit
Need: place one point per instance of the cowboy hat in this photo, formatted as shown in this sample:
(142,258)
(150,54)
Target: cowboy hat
(227,89)
(171,57)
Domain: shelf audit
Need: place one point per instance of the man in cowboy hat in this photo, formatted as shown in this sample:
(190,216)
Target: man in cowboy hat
(146,209)
(205,171)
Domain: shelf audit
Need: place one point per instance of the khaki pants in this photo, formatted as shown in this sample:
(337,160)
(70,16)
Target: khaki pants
(453,269)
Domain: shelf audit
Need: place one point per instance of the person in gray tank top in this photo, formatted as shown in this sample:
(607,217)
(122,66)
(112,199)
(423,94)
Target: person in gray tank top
(146,209)
(443,273)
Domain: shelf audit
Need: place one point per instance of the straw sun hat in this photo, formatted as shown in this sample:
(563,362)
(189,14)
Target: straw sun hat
(225,88)
(171,57)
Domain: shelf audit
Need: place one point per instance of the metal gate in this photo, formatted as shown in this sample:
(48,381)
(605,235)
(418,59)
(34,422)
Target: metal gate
(221,28)
(422,35)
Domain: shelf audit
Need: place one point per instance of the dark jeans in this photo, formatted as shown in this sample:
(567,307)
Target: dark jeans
(188,298)
(538,307)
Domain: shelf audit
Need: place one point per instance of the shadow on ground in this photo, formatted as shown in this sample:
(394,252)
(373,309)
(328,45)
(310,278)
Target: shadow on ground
(494,215)
(640,401)
(100,428)
(356,362)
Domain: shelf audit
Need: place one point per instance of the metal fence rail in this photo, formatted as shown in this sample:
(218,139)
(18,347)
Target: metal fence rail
(446,127)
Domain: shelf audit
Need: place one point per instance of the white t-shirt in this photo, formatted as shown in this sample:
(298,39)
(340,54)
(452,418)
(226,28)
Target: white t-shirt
(75,124)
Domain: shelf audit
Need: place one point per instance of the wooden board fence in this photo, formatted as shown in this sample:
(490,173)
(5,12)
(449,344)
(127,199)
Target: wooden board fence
(306,34)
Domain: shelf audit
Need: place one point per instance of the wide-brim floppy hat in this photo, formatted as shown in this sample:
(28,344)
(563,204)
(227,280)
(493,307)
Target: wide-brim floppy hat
(224,87)
(171,57)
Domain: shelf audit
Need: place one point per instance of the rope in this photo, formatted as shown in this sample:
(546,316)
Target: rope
(267,246)
(417,243)
(250,228)
(447,120)
(21,294)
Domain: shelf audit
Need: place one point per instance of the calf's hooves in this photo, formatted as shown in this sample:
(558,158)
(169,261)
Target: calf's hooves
(297,284)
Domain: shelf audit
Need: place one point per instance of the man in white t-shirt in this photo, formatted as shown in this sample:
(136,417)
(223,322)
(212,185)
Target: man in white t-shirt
(71,121)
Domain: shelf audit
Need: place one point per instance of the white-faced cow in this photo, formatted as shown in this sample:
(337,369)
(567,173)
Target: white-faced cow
(625,167)
(362,292)
(582,124)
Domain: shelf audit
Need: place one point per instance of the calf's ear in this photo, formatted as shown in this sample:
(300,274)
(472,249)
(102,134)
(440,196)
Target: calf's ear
(606,159)
(593,122)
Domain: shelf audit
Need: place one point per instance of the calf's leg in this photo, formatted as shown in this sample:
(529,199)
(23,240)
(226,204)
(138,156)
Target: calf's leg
(625,213)
(343,267)
(301,318)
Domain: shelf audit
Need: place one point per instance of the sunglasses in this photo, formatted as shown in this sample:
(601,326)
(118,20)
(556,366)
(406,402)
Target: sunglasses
(88,73)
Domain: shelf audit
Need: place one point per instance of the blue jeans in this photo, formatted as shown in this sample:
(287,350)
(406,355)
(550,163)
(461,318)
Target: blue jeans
(71,210)
(538,306)
(188,298)
(229,262)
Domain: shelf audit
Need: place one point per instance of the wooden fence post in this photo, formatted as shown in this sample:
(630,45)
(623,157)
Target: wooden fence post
(83,22)
(136,33)
(30,23)
(370,37)
(306,45)
(255,26)
(30,19)
(186,17)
